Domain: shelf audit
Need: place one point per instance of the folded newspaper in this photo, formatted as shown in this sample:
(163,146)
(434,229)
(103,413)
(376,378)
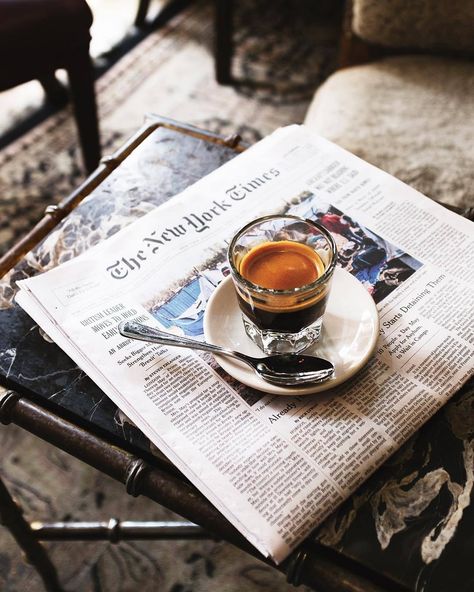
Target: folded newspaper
(274,466)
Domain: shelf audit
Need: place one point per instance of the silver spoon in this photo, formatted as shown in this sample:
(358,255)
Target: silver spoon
(280,369)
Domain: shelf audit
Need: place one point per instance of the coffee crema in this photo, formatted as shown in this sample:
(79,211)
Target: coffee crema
(281,265)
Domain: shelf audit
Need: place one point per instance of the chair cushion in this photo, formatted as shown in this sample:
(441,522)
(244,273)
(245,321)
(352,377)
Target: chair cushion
(412,116)
(423,24)
(39,36)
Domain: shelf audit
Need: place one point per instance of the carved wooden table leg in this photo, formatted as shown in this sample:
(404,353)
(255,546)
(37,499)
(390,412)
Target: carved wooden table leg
(11,516)
(224,45)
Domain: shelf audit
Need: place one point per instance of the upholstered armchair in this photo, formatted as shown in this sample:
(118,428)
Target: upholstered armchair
(409,109)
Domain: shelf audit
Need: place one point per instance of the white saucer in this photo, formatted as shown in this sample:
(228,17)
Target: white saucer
(350,332)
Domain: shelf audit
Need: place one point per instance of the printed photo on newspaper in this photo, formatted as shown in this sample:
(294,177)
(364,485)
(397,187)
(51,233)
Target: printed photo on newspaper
(274,465)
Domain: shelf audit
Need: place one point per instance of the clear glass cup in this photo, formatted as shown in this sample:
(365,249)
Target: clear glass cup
(282,268)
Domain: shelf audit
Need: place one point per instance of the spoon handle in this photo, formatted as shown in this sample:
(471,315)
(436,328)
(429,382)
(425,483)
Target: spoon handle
(146,333)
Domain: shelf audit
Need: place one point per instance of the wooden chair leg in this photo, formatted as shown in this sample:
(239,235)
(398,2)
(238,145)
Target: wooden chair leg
(11,516)
(81,81)
(223,41)
(140,18)
(169,10)
(56,92)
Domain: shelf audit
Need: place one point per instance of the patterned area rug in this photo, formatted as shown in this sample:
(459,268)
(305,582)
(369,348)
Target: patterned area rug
(285,50)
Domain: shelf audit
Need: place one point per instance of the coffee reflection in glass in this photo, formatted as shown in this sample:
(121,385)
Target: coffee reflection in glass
(282,268)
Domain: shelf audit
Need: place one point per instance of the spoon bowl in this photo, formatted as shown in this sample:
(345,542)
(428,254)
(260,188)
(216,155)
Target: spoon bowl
(283,369)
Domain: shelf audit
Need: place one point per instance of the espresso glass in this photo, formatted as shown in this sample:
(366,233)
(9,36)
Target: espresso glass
(296,258)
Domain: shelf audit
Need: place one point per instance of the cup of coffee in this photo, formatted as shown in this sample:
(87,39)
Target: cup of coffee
(282,268)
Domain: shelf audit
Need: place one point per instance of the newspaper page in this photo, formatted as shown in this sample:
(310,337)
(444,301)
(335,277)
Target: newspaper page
(275,466)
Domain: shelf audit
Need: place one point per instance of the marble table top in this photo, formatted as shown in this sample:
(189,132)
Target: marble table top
(411,524)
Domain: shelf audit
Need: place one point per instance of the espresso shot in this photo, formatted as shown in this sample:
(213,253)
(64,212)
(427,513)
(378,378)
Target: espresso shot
(282,265)
(282,268)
